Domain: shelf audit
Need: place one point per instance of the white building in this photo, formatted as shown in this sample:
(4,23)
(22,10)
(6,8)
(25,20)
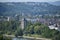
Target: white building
(54,27)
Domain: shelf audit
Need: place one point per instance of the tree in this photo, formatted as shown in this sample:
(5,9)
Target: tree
(56,37)
(19,32)
(37,29)
(29,30)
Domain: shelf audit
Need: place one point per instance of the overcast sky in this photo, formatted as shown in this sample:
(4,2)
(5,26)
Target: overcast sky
(28,0)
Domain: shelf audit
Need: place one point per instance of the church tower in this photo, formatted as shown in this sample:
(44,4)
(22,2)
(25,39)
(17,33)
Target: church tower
(23,22)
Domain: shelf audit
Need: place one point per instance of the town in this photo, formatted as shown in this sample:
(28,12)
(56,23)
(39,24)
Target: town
(29,20)
(53,22)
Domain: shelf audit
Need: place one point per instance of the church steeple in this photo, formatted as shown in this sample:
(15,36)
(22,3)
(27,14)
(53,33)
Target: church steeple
(23,22)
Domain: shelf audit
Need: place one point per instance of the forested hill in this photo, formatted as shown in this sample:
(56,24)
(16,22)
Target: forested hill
(33,8)
(57,3)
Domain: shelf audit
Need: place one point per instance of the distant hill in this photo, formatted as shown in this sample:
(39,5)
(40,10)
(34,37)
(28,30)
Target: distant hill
(57,3)
(28,8)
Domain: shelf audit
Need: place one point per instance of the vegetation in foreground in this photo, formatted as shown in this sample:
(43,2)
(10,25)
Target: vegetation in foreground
(4,38)
(34,30)
(40,30)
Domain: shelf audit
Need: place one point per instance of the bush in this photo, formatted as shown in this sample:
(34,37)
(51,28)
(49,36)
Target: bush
(19,32)
(1,37)
(57,37)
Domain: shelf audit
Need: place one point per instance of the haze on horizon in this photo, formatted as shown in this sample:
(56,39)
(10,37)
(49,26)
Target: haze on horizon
(28,0)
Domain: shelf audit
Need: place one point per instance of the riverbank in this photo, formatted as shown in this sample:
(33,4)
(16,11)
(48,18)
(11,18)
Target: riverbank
(26,37)
(35,38)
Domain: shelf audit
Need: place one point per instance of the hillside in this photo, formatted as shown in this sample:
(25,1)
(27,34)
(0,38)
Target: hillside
(28,8)
(57,3)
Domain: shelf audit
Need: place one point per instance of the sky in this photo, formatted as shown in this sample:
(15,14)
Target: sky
(28,0)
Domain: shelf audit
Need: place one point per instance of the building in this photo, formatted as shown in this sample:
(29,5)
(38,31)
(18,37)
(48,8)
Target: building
(23,23)
(4,18)
(55,26)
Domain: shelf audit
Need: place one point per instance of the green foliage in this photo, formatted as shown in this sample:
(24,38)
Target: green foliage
(1,37)
(19,32)
(4,38)
(9,26)
(36,28)
(56,37)
(29,30)
(43,30)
